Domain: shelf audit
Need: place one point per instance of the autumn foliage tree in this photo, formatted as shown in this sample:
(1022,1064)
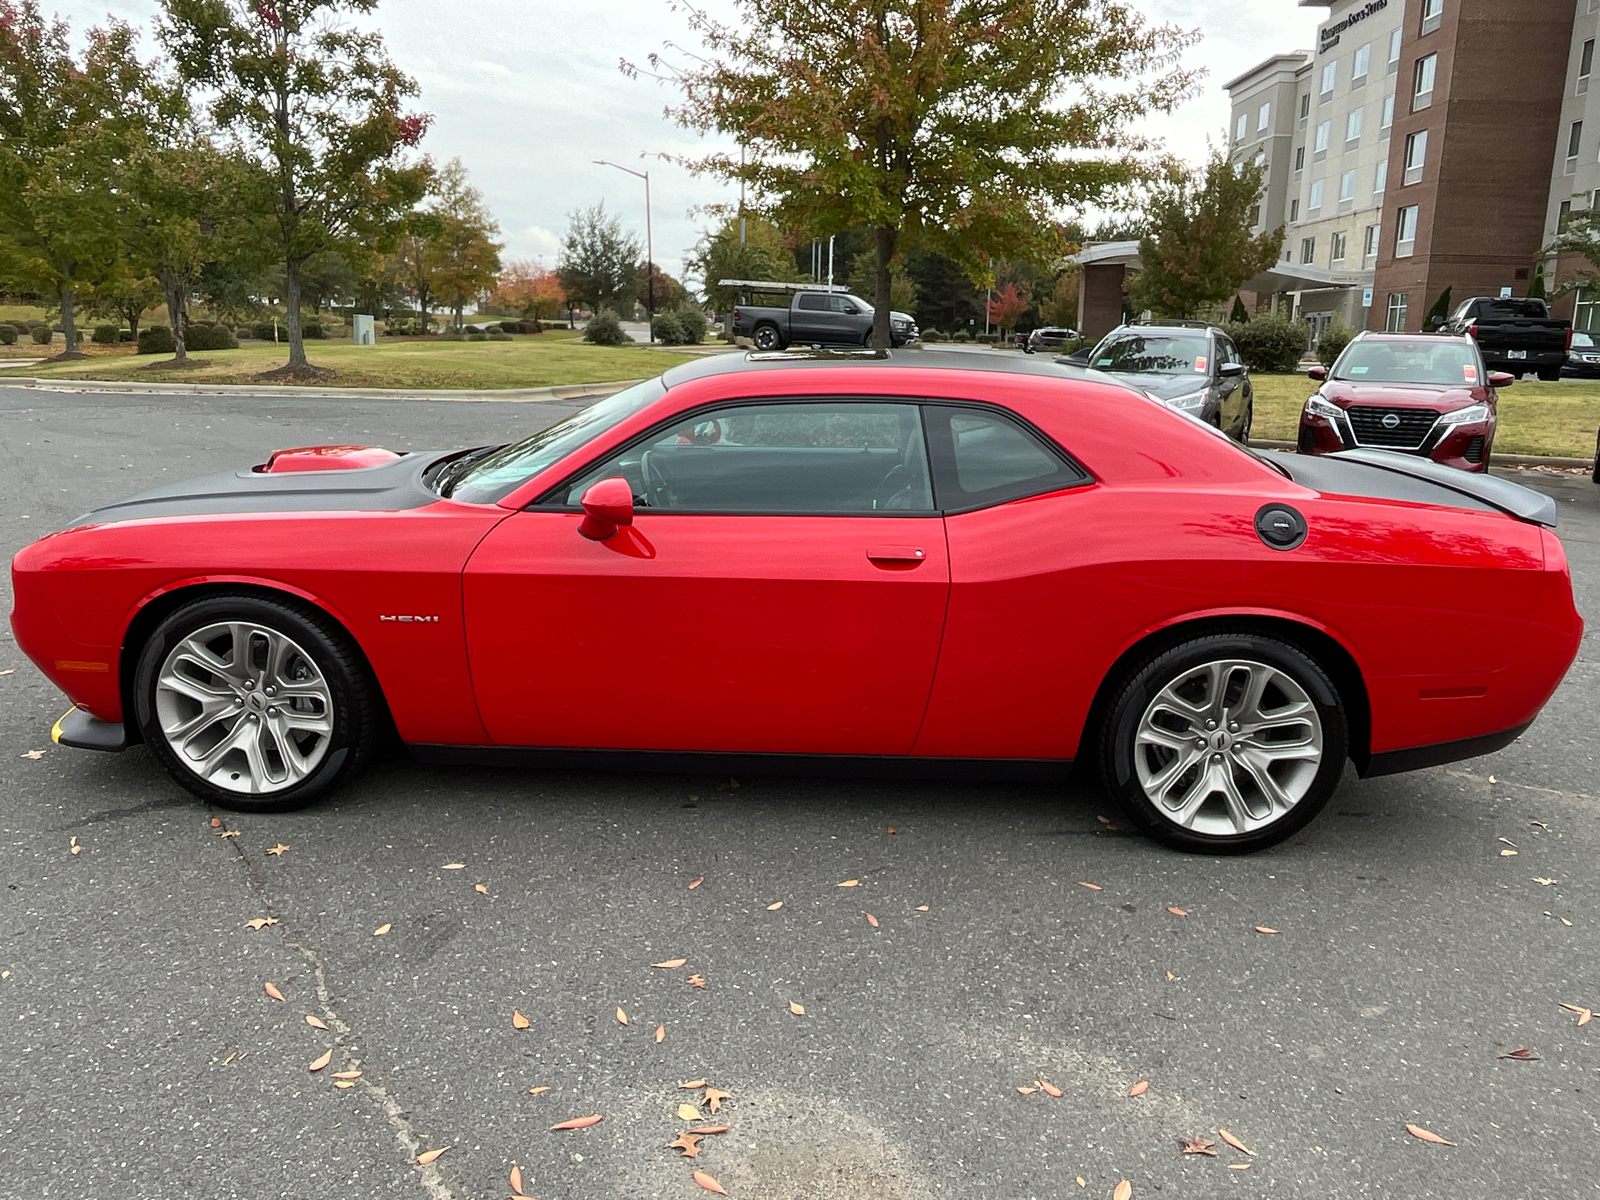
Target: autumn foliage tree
(529,289)
(1007,305)
(961,126)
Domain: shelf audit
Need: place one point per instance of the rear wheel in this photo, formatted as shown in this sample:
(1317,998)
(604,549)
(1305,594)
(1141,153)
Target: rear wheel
(254,704)
(1550,374)
(767,337)
(1225,744)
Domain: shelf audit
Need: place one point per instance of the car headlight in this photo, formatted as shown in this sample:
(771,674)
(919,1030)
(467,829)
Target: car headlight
(1326,409)
(1192,402)
(1466,416)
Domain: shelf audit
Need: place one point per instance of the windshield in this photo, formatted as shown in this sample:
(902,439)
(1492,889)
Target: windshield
(1581,340)
(1429,361)
(497,475)
(1152,354)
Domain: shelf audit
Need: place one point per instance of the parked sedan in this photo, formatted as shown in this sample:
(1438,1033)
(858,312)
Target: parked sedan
(1193,368)
(1583,359)
(938,564)
(1427,395)
(1048,337)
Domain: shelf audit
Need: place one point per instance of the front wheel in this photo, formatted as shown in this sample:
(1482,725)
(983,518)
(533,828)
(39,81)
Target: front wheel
(254,704)
(1225,744)
(1550,374)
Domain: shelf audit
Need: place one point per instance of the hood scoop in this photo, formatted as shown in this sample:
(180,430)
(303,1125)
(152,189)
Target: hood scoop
(326,458)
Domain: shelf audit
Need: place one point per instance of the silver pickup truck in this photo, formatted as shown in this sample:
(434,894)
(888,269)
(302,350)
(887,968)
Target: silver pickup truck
(814,315)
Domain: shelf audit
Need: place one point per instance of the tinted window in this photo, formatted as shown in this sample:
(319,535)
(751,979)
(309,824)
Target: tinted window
(813,303)
(985,458)
(1152,353)
(1493,309)
(822,457)
(1225,351)
(1410,360)
(497,475)
(1581,340)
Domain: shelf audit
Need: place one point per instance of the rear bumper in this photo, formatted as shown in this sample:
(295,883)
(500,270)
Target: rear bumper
(1393,762)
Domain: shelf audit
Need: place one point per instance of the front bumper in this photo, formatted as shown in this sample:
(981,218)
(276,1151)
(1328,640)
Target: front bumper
(1465,447)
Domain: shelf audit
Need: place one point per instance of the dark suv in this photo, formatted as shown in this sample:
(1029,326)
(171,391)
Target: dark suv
(1192,367)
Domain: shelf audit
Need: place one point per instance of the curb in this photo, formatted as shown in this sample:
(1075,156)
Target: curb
(572,391)
(1496,460)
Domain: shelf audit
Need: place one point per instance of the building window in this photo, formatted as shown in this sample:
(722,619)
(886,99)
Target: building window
(1308,250)
(1358,68)
(1416,155)
(1299,158)
(1396,322)
(1294,210)
(1264,116)
(1586,312)
(1330,75)
(1319,147)
(1315,204)
(1336,254)
(1242,127)
(1432,15)
(1352,127)
(1347,188)
(1388,116)
(1369,242)
(1394,52)
(1405,234)
(1563,215)
(1574,141)
(1585,66)
(1261,159)
(1305,105)
(1422,82)
(1380,177)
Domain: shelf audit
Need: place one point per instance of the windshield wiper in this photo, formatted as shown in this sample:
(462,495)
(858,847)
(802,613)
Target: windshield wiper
(445,482)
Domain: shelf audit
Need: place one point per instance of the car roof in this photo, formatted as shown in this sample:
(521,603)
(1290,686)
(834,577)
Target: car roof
(993,361)
(1367,335)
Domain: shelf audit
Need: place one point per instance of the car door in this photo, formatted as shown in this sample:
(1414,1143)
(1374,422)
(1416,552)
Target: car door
(808,320)
(781,590)
(1233,389)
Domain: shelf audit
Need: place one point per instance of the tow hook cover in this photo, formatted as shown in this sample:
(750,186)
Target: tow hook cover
(1280,526)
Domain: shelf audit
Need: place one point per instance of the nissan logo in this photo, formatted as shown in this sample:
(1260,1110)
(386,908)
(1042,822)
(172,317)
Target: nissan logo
(1390,421)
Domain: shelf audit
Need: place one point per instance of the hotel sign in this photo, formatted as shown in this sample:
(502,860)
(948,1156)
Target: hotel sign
(1329,37)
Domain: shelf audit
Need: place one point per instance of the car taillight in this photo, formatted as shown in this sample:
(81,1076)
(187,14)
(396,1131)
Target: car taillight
(1569,337)
(736,314)
(1472,331)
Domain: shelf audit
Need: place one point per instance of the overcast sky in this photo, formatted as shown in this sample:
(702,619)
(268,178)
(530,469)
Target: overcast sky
(527,93)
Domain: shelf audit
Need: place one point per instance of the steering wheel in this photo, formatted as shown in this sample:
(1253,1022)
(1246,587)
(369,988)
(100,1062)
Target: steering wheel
(655,482)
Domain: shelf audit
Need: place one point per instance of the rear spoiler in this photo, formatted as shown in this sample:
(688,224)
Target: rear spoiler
(1510,498)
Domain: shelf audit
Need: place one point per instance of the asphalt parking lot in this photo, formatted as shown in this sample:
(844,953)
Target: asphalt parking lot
(144,1058)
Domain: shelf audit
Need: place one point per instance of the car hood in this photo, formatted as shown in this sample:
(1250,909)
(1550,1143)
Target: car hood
(1161,385)
(1404,395)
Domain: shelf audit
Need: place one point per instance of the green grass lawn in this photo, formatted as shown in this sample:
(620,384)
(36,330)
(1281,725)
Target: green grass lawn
(1535,418)
(523,362)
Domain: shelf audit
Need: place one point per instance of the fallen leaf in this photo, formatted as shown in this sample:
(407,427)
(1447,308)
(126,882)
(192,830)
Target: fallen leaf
(539,1091)
(427,1156)
(688,1145)
(670,964)
(704,1130)
(1522,1055)
(849,883)
(1093,887)
(1238,1166)
(1540,824)
(480,889)
(261,922)
(1235,1143)
(1546,882)
(1049,1089)
(1139,1088)
(661,1034)
(796,1009)
(382,929)
(516,1180)
(892,829)
(1199,1145)
(694,1085)
(347,1075)
(1427,1135)
(1170,976)
(344,1083)
(1082,1182)
(315,1022)
(872,920)
(216,822)
(1566,922)
(454,867)
(518,1021)
(9,671)
(272,990)
(321,1061)
(622,1017)
(76,849)
(579,1122)
(705,1181)
(775,907)
(688,1112)
(278,850)
(1508,841)
(714,1098)
(1584,1018)
(34,754)
(922,908)
(1265,929)
(696,883)
(1027,1091)
(1104,820)
(697,980)
(1492,779)
(1124,1191)
(1178,912)
(1508,854)
(229,833)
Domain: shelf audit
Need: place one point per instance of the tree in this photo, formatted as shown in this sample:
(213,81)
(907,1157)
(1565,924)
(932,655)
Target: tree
(761,254)
(958,126)
(1061,308)
(126,297)
(864,282)
(1009,303)
(528,289)
(1440,312)
(599,265)
(1580,236)
(317,107)
(1536,287)
(1239,314)
(465,258)
(667,291)
(1198,247)
(65,137)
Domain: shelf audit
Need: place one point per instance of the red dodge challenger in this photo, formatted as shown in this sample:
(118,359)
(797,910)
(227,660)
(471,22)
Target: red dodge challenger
(919,562)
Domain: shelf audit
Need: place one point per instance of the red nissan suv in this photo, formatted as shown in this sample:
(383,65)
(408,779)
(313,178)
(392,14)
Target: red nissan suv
(1422,394)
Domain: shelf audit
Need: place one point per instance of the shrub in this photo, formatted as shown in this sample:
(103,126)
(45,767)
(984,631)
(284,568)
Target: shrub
(932,335)
(452,334)
(477,335)
(209,337)
(244,331)
(104,335)
(693,319)
(989,339)
(157,339)
(1270,344)
(43,335)
(8,335)
(311,329)
(605,329)
(262,330)
(961,335)
(124,335)
(21,328)
(667,329)
(498,335)
(1333,341)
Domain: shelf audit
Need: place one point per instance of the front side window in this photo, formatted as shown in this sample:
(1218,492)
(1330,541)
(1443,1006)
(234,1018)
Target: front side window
(982,457)
(809,457)
(1425,360)
(1363,59)
(1422,86)
(1396,315)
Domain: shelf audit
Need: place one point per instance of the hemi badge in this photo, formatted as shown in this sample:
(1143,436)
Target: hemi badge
(68,664)
(409,619)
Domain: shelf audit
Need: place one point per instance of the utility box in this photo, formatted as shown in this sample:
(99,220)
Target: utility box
(362,330)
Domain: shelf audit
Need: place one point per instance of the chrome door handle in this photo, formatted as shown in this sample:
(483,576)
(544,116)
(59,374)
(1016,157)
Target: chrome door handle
(896,554)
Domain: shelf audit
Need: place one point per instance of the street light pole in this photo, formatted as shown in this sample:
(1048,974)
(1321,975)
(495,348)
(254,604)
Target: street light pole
(649,243)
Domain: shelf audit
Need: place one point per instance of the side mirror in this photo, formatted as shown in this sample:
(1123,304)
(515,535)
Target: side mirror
(1317,373)
(1227,369)
(851,309)
(607,506)
(1501,379)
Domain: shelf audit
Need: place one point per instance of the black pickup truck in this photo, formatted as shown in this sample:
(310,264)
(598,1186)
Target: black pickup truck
(1516,335)
(809,314)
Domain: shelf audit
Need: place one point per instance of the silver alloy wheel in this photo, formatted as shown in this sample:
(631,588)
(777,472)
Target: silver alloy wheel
(766,338)
(244,707)
(1228,747)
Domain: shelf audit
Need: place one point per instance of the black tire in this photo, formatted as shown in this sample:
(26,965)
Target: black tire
(1550,374)
(352,704)
(767,338)
(1135,702)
